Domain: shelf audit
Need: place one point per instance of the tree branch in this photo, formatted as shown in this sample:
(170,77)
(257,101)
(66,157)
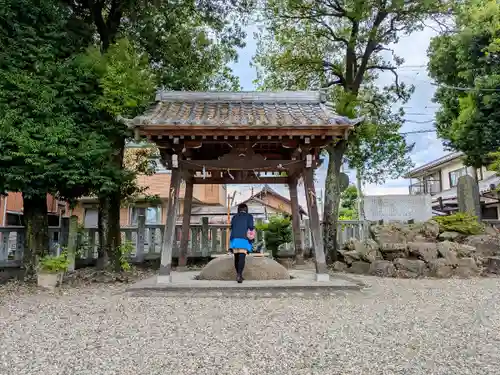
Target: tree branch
(392,69)
(370,47)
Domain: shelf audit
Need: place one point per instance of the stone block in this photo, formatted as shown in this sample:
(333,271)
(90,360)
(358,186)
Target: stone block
(492,265)
(410,268)
(466,267)
(359,267)
(446,250)
(391,251)
(256,268)
(382,268)
(426,251)
(440,268)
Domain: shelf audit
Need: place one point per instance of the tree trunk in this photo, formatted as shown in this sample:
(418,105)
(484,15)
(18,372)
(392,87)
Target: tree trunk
(37,231)
(109,216)
(332,199)
(102,229)
(114,239)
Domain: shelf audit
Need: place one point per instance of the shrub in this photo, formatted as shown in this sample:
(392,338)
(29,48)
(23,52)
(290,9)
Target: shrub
(277,232)
(54,264)
(126,248)
(460,222)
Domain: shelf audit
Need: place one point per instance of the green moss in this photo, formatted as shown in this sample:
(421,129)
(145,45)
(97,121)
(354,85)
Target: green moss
(460,222)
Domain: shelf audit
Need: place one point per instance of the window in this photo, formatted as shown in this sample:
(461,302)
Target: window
(454,175)
(54,220)
(153,215)
(90,220)
(14,219)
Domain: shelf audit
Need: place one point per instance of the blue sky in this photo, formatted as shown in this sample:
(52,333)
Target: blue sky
(420,110)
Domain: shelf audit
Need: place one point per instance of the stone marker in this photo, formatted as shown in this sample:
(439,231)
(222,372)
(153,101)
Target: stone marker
(468,196)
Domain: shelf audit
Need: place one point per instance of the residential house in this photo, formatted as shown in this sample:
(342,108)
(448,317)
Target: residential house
(11,210)
(261,205)
(158,184)
(439,178)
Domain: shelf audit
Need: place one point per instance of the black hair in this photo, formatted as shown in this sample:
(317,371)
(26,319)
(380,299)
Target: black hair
(242,208)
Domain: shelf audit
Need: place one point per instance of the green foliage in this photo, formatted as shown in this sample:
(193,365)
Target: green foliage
(495,165)
(460,222)
(43,148)
(469,57)
(126,248)
(277,231)
(54,264)
(126,81)
(342,46)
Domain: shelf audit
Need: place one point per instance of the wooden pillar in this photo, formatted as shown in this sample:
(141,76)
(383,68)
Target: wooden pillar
(165,273)
(186,221)
(297,240)
(316,235)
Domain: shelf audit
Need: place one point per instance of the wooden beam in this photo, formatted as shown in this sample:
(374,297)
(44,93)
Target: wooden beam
(297,240)
(249,180)
(316,235)
(186,221)
(165,272)
(242,164)
(243,131)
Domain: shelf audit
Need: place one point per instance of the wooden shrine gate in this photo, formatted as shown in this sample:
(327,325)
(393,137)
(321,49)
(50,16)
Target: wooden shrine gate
(241,138)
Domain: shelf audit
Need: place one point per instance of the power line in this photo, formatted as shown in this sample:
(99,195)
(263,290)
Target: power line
(418,131)
(464,88)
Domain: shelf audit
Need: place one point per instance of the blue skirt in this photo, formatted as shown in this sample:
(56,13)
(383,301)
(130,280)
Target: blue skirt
(240,243)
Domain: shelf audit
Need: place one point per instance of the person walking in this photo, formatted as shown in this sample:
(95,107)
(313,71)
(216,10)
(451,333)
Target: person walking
(242,234)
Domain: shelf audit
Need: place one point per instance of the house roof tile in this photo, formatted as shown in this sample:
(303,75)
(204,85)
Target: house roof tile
(245,109)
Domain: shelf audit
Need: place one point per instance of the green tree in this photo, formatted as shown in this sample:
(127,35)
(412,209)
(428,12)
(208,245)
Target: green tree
(344,46)
(465,64)
(125,87)
(277,231)
(188,45)
(348,203)
(43,146)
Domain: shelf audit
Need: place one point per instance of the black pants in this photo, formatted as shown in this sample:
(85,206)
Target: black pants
(239,263)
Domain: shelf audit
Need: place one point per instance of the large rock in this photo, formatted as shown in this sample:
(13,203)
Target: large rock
(486,245)
(426,251)
(339,266)
(390,233)
(428,230)
(410,268)
(493,265)
(391,251)
(383,268)
(256,268)
(366,250)
(451,236)
(464,251)
(466,267)
(359,267)
(440,268)
(446,250)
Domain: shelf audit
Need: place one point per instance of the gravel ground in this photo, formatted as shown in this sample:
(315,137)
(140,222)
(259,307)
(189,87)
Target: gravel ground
(406,327)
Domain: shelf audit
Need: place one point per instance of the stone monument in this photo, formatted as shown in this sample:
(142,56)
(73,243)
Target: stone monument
(468,196)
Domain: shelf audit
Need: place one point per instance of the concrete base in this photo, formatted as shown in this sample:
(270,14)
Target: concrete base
(164,279)
(322,277)
(303,283)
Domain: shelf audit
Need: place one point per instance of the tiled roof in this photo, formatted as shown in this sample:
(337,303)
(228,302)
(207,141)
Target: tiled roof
(219,109)
(435,163)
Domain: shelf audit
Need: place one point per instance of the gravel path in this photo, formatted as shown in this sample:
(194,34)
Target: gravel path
(406,327)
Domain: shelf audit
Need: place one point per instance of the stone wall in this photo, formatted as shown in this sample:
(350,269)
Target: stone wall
(421,250)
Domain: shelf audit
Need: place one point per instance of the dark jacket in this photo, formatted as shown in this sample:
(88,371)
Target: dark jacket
(240,224)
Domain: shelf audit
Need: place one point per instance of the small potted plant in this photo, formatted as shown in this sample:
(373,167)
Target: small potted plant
(51,270)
